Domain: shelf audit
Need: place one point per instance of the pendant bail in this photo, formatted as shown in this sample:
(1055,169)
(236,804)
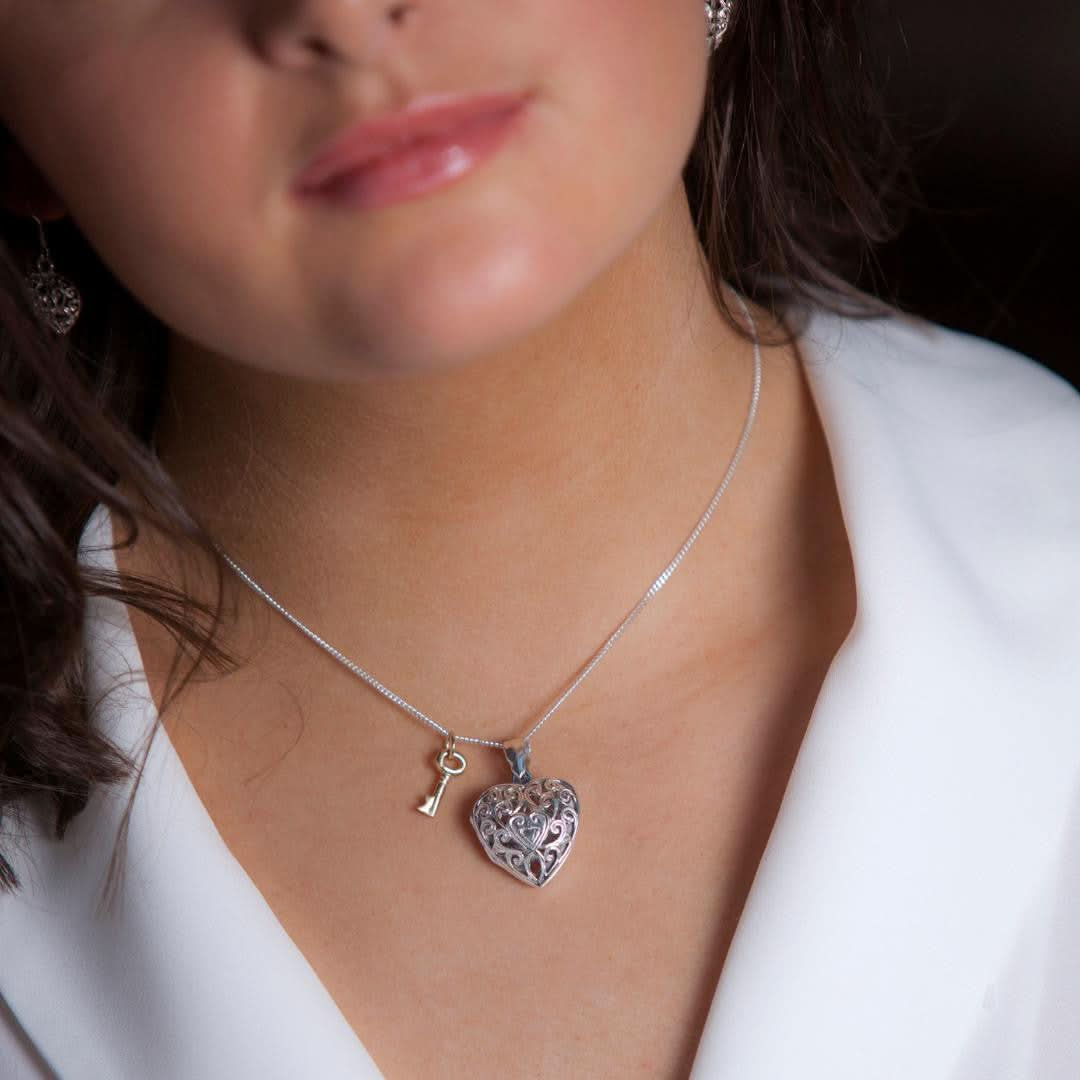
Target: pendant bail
(517,756)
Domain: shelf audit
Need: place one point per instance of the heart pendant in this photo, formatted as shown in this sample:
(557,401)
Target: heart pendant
(527,826)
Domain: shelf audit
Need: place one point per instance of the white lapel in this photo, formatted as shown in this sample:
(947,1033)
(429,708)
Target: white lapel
(925,806)
(191,975)
(928,799)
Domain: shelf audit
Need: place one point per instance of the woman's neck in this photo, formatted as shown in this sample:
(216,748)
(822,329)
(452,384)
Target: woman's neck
(501,518)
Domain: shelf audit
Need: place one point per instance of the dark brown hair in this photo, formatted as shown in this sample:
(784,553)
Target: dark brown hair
(794,179)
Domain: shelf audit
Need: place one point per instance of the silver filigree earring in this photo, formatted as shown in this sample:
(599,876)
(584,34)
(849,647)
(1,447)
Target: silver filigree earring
(56,300)
(718,14)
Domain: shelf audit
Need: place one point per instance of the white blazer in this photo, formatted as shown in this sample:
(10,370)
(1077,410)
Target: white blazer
(916,913)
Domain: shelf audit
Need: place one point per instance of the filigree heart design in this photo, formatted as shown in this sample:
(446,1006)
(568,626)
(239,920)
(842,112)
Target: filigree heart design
(528,829)
(56,299)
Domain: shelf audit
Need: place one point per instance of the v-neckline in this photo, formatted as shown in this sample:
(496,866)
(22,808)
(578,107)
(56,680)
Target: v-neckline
(190,794)
(100,531)
(923,819)
(752,913)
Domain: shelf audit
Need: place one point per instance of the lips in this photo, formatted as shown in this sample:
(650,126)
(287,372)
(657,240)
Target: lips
(426,117)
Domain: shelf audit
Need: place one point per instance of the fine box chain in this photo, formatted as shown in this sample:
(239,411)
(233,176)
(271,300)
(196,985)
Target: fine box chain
(653,589)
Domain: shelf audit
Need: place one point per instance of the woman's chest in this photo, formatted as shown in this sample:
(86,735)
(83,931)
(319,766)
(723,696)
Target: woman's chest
(444,964)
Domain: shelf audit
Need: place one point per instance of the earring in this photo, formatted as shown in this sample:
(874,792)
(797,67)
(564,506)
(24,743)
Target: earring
(718,14)
(56,300)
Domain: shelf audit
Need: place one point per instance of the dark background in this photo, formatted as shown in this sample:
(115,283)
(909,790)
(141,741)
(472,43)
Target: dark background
(990,92)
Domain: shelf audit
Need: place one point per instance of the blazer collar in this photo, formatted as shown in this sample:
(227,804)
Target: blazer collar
(928,797)
(923,808)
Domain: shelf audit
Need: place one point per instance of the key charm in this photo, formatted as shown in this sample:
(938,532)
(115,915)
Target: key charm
(431,804)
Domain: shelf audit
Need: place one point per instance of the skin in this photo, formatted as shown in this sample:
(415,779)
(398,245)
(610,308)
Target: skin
(523,369)
(460,437)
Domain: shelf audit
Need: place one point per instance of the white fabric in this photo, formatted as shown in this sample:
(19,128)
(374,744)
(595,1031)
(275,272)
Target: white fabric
(916,914)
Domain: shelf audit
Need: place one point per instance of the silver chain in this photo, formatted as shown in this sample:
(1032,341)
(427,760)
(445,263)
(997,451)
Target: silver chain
(653,589)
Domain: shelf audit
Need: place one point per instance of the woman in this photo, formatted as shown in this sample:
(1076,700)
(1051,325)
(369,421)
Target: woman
(448,390)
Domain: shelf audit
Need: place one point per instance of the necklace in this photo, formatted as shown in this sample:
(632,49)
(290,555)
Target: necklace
(528,826)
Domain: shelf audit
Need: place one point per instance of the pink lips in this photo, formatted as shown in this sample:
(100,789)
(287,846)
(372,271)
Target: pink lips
(428,120)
